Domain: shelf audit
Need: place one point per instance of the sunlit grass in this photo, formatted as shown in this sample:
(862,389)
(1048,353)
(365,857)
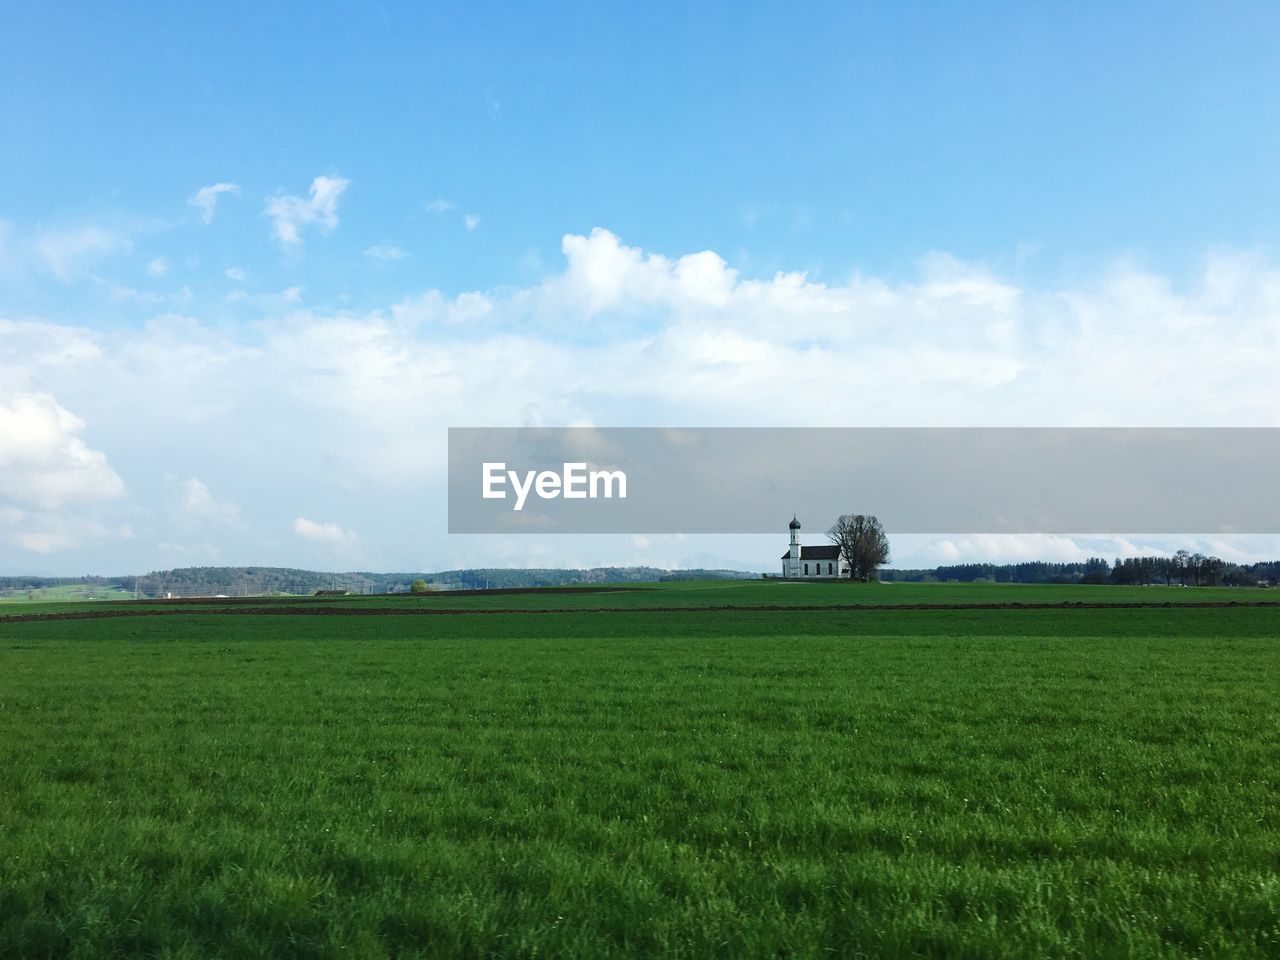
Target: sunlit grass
(939,783)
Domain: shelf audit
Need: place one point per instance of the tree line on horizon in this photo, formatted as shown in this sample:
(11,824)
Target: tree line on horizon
(263,581)
(865,546)
(1183,568)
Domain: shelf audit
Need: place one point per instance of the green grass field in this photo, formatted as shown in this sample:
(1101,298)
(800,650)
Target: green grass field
(638,773)
(722,593)
(64,593)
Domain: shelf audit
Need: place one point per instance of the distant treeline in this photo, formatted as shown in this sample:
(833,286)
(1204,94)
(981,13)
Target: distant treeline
(260,581)
(1192,569)
(1188,569)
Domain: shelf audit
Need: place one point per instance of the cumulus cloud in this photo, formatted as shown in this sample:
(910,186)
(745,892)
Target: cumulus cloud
(197,504)
(31,350)
(604,274)
(158,267)
(359,400)
(238,274)
(633,336)
(290,215)
(433,306)
(206,198)
(43,463)
(330,533)
(703,345)
(470,221)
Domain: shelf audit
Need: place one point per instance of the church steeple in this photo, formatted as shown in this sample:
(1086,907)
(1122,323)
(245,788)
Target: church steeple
(794,526)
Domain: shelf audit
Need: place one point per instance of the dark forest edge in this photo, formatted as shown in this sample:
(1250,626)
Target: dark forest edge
(1183,568)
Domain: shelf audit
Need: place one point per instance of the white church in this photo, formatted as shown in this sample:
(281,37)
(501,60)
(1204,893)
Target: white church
(826,562)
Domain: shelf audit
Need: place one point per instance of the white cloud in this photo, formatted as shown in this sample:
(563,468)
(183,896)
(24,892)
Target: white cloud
(267,302)
(703,345)
(238,274)
(329,533)
(49,532)
(120,293)
(67,254)
(290,214)
(158,387)
(604,274)
(433,306)
(43,463)
(206,198)
(441,205)
(345,400)
(385,251)
(44,541)
(31,351)
(1005,548)
(158,267)
(197,504)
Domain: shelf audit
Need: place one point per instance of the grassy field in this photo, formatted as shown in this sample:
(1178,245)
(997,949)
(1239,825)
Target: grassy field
(721,593)
(64,593)
(637,773)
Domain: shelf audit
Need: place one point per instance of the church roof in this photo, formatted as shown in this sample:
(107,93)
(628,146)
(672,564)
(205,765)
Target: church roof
(794,524)
(824,552)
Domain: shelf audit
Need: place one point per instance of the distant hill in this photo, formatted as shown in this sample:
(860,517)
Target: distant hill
(261,581)
(257,581)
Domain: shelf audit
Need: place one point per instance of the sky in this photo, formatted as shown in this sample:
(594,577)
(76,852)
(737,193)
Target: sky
(255,259)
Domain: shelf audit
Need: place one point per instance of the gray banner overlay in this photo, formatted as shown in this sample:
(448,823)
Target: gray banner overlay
(917,480)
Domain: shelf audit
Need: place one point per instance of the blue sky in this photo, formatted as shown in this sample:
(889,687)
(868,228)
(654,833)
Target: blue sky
(470,214)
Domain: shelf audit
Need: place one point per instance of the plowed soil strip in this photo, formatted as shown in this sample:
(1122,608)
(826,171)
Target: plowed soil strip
(327,610)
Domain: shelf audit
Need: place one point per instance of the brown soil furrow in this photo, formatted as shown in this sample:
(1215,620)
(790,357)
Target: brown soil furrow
(327,610)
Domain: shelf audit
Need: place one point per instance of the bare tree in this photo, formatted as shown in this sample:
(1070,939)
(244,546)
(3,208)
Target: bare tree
(862,540)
